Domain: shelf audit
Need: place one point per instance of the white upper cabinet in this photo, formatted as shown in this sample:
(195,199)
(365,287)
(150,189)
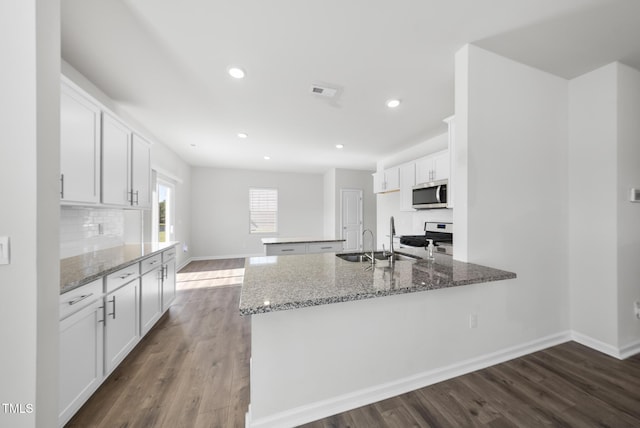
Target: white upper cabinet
(116,149)
(407,181)
(387,180)
(433,167)
(140,172)
(126,166)
(79,148)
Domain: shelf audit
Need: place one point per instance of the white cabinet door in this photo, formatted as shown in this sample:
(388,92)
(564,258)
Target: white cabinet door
(79,148)
(168,284)
(121,324)
(441,165)
(116,149)
(141,172)
(150,299)
(81,358)
(407,181)
(433,167)
(392,179)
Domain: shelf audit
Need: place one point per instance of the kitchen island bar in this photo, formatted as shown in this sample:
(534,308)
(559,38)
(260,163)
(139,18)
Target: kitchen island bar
(330,335)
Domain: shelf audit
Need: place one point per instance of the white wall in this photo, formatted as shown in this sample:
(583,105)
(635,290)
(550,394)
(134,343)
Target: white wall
(516,190)
(628,213)
(29,171)
(593,226)
(605,237)
(220,209)
(329,183)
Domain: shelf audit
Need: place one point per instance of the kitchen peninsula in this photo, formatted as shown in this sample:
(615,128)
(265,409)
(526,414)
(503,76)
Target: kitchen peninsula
(329,334)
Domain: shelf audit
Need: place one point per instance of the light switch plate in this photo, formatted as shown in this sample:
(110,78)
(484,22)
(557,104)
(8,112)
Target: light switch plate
(4,250)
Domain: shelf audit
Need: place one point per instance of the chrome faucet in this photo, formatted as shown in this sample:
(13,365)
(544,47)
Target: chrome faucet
(373,246)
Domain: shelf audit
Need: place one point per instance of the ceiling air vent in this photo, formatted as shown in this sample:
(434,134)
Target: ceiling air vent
(323,91)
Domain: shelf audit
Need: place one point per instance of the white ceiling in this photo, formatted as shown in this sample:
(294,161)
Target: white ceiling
(165,63)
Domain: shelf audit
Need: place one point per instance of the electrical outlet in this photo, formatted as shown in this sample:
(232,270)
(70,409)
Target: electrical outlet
(473,320)
(636,308)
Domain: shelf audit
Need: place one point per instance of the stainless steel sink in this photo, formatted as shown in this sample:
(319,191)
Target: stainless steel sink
(361,258)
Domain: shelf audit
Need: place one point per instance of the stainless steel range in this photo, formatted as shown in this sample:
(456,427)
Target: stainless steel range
(439,232)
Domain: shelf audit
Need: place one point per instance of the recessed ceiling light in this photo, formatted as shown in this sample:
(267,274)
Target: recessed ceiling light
(339,146)
(393,103)
(192,145)
(236,72)
(267,158)
(242,135)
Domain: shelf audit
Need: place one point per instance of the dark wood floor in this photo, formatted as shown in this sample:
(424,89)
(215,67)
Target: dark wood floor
(192,370)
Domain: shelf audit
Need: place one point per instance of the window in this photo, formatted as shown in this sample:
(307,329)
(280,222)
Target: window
(163,210)
(263,210)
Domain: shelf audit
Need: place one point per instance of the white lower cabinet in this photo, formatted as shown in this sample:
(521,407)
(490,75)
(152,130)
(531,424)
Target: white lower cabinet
(168,279)
(81,353)
(121,324)
(98,331)
(150,299)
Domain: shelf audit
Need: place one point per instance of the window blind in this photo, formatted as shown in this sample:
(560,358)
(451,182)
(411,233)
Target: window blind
(263,210)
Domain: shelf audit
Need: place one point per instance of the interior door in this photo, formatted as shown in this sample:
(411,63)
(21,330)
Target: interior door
(352,219)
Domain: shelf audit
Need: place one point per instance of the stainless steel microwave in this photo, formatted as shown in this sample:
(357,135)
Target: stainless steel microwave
(430,195)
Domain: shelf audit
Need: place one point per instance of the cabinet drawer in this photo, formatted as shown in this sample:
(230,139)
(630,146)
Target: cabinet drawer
(79,298)
(121,277)
(169,254)
(285,249)
(324,247)
(151,263)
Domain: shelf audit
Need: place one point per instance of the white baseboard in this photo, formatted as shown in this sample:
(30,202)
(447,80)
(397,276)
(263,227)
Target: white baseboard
(619,353)
(630,350)
(322,409)
(183,264)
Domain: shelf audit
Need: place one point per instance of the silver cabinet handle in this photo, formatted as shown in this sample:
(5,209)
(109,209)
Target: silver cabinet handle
(326,248)
(79,299)
(154,262)
(137,198)
(126,275)
(286,249)
(61,186)
(166,271)
(102,320)
(113,314)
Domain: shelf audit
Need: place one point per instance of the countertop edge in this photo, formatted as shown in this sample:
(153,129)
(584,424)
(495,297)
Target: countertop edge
(84,281)
(505,275)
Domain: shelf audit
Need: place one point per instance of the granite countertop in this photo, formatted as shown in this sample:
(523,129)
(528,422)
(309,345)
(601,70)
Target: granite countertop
(79,270)
(269,241)
(276,283)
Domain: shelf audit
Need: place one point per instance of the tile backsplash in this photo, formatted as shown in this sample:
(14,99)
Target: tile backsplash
(86,229)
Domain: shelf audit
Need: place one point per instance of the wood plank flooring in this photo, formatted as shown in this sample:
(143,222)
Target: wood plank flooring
(192,370)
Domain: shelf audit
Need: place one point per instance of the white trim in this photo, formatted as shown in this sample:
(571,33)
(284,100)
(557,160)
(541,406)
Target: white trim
(167,175)
(321,409)
(620,353)
(630,350)
(592,343)
(184,263)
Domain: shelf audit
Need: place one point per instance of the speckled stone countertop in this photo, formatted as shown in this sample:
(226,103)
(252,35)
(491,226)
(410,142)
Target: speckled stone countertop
(269,241)
(79,270)
(276,283)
